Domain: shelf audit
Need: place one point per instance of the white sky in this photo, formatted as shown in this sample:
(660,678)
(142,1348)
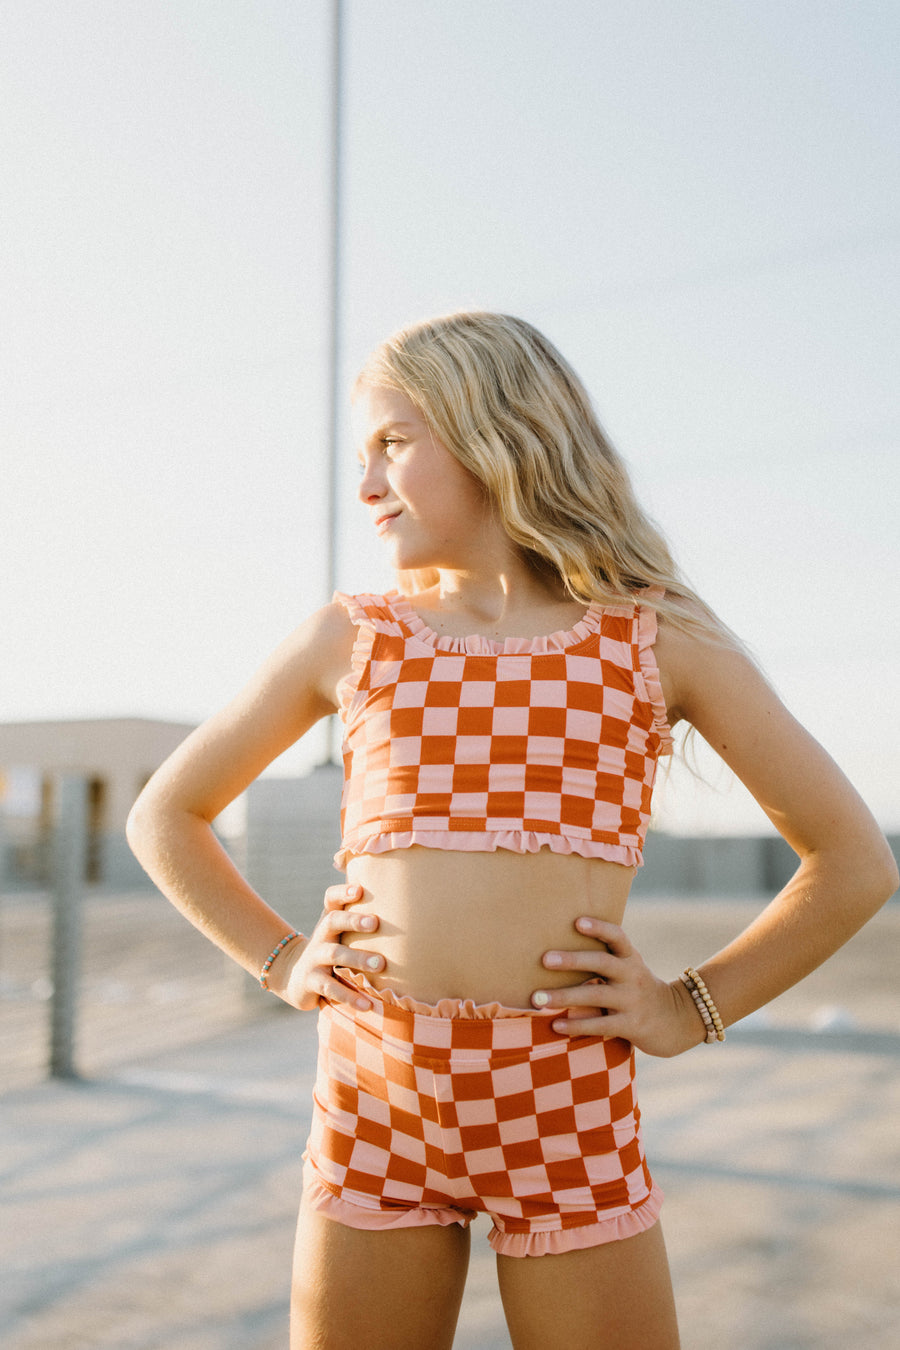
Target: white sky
(698,203)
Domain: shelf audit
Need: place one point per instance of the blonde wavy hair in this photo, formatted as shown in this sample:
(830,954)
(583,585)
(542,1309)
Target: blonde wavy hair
(511,409)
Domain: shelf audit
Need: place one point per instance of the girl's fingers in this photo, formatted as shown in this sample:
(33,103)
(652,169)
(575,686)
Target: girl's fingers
(624,1000)
(590,995)
(346,921)
(335,897)
(321,982)
(595,962)
(338,896)
(353,958)
(604,960)
(611,934)
(335,992)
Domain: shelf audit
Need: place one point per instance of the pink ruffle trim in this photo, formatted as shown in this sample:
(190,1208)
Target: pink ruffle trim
(647,630)
(466,841)
(444,1008)
(555,1241)
(476,645)
(362,646)
(362,1213)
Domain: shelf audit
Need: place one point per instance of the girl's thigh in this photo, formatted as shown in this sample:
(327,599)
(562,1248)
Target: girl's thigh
(355,1289)
(617,1296)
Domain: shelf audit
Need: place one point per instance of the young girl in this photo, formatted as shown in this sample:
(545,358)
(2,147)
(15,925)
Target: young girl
(479,999)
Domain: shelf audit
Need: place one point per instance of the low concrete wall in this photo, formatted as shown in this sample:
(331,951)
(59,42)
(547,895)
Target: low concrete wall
(26,866)
(738,865)
(292,834)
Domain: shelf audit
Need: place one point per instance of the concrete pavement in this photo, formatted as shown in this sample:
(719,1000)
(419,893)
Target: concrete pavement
(153,1205)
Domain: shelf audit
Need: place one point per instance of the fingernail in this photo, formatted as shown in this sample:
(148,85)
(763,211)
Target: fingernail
(353,890)
(367,921)
(373,962)
(584,925)
(552,958)
(363,1004)
(559,1026)
(540,999)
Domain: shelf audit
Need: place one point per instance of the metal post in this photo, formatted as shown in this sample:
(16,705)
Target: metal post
(69,856)
(334,333)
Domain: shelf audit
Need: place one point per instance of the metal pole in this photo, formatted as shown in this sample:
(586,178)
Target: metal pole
(69,856)
(334,334)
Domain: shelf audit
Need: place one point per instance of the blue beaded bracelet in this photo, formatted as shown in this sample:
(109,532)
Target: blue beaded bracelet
(264,973)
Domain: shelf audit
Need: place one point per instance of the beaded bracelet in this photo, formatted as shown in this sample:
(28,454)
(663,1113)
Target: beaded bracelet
(704,1014)
(708,1000)
(702,1009)
(264,973)
(703,1001)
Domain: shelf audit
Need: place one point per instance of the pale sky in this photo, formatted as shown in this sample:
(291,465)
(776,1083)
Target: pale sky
(697,202)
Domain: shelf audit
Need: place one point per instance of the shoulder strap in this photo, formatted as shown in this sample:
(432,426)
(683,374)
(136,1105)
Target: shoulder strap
(368,611)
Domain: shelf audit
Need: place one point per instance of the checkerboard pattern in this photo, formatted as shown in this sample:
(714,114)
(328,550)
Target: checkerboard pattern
(473,744)
(424,1114)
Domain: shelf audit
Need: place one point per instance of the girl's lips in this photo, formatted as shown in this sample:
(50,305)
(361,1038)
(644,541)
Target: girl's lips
(383,522)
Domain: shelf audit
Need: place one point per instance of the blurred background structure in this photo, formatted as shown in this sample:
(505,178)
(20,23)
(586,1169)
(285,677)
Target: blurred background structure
(115,756)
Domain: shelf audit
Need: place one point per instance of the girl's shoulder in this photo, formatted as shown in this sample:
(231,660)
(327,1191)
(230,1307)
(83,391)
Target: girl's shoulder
(320,644)
(698,664)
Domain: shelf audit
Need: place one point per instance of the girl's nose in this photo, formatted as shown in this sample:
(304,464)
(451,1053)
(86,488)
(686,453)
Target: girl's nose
(372,484)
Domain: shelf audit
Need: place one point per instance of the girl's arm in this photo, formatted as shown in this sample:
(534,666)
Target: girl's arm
(170,826)
(846,870)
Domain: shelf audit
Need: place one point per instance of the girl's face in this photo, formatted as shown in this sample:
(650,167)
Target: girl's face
(429,510)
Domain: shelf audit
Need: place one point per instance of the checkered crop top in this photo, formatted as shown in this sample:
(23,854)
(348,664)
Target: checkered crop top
(475,744)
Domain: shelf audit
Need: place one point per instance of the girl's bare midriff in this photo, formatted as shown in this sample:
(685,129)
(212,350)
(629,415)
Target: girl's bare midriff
(475,925)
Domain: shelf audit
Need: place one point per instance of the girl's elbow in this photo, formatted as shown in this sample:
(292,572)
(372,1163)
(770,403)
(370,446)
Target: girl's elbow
(144,821)
(137,827)
(877,875)
(884,866)
(891,876)
(862,868)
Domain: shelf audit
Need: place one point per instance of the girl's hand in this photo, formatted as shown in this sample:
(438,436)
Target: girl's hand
(307,974)
(628,1001)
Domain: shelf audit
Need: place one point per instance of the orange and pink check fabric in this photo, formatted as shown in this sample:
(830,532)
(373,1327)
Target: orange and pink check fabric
(429,1115)
(475,744)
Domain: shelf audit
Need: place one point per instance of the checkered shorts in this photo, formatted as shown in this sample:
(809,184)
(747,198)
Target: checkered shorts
(429,1115)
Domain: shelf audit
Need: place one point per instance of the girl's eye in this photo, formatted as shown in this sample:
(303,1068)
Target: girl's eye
(385,444)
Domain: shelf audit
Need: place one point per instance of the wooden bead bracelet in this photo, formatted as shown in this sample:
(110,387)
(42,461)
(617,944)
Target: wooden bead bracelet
(703,1001)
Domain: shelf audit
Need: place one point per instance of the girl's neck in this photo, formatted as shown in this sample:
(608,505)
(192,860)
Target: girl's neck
(493,599)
